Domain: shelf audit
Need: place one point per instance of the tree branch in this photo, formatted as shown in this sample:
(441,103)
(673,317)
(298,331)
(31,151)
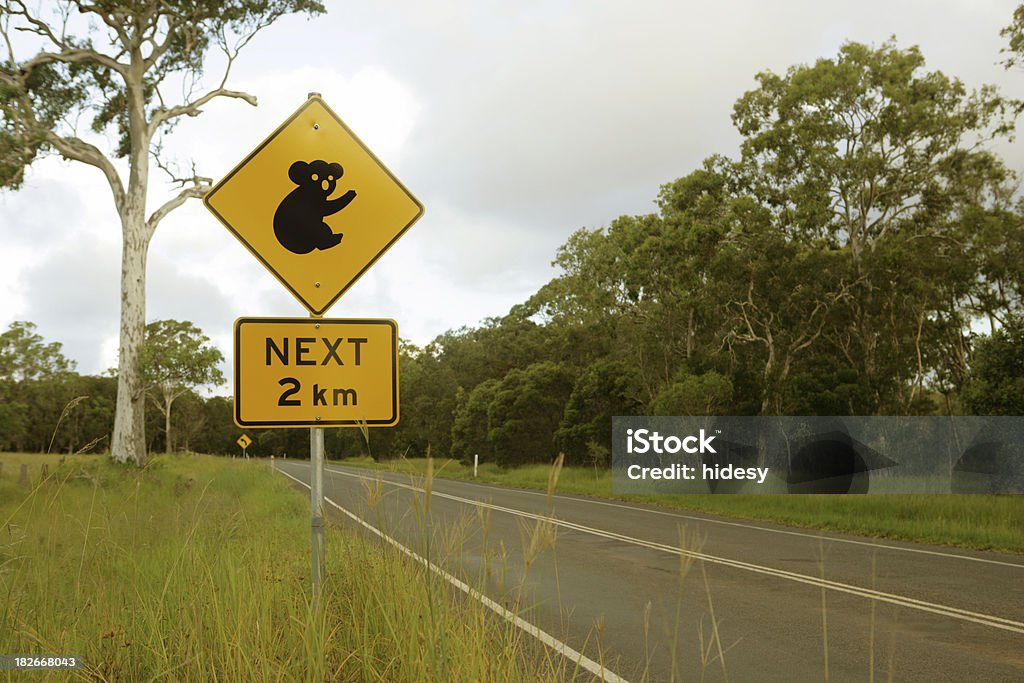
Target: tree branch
(112,20)
(74,56)
(199,188)
(193,108)
(37,26)
(160,48)
(77,149)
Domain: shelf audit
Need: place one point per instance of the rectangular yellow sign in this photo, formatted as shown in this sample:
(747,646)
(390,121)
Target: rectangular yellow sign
(316,372)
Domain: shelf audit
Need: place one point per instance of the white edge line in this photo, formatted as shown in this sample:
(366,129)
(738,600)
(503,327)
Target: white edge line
(711,520)
(989,620)
(555,644)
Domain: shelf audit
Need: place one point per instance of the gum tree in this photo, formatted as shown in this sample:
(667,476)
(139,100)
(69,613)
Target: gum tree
(177,357)
(24,356)
(879,161)
(72,71)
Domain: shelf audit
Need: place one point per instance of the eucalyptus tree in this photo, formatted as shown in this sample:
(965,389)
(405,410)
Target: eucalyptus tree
(996,386)
(25,356)
(72,71)
(176,358)
(525,411)
(874,158)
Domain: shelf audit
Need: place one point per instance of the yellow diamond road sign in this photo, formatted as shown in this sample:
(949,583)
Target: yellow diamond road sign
(244,441)
(316,372)
(314,205)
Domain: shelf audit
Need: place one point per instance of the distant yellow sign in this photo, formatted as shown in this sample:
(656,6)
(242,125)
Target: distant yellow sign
(309,372)
(314,205)
(244,441)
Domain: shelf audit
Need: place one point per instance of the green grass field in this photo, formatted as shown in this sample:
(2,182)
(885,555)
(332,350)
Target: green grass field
(981,522)
(197,569)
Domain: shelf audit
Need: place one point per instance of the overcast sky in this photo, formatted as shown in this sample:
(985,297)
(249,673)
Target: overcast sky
(514,123)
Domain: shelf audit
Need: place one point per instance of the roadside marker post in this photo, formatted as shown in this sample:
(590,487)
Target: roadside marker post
(317,208)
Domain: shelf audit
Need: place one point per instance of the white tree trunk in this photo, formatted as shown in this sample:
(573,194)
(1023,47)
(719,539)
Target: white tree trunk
(128,443)
(129,440)
(168,400)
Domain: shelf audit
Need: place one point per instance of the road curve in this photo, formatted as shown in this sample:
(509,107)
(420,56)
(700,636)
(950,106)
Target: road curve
(645,590)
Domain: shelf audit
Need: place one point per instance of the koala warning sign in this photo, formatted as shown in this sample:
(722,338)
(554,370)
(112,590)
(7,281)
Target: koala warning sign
(316,372)
(314,205)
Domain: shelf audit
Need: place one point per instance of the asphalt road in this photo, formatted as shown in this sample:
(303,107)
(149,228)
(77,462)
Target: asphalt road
(611,581)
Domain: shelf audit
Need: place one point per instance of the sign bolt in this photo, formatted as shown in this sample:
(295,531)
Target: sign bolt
(317,285)
(316,126)
(317,418)
(316,325)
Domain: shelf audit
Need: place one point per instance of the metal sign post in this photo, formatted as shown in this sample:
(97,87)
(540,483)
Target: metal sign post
(316,504)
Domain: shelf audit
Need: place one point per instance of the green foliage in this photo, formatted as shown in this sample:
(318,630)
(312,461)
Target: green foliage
(75,78)
(996,386)
(14,425)
(1014,35)
(471,426)
(526,411)
(709,393)
(24,356)
(603,390)
(51,91)
(879,161)
(428,401)
(45,405)
(824,385)
(177,357)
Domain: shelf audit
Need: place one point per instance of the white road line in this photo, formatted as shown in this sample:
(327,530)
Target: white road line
(598,670)
(741,525)
(902,601)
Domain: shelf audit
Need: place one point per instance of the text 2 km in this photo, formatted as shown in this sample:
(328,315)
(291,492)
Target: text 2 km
(315,351)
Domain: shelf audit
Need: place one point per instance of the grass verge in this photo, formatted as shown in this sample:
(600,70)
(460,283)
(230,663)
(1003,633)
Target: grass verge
(982,522)
(197,569)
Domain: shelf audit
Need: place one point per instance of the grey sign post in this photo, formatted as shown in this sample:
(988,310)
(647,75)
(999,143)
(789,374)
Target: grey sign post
(316,503)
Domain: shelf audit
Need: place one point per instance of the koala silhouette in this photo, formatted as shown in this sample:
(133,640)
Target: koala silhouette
(299,220)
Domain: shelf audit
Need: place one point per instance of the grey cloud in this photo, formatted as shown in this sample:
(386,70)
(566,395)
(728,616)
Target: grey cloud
(73,295)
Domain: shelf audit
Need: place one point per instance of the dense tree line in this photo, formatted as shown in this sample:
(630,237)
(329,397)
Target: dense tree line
(842,265)
(863,255)
(45,406)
